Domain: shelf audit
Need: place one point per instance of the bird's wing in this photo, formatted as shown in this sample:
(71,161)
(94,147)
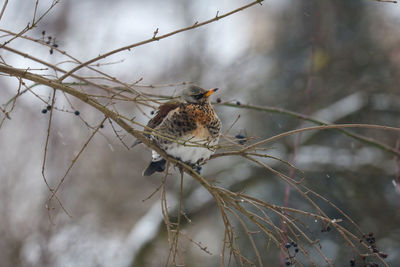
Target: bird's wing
(162,112)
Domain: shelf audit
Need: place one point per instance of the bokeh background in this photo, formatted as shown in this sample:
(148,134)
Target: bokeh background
(335,60)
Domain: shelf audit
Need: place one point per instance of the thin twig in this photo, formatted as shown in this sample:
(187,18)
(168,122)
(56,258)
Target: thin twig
(154,38)
(3,8)
(54,192)
(301,116)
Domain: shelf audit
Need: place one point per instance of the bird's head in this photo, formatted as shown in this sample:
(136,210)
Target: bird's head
(197,95)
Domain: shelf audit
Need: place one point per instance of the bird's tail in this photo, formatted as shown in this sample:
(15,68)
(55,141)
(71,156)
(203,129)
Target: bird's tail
(155,166)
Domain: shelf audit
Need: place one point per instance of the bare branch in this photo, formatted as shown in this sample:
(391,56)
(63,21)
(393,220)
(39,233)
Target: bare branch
(154,38)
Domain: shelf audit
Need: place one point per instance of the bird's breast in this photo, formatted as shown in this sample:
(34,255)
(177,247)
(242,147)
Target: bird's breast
(195,151)
(201,132)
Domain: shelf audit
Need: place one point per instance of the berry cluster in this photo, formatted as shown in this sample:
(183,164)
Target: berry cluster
(44,111)
(241,138)
(290,260)
(370,239)
(50,40)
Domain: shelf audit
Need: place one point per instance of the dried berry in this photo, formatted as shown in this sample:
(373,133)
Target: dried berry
(383,255)
(241,138)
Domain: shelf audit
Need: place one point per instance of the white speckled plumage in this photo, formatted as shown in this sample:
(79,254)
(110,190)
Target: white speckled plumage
(194,124)
(192,152)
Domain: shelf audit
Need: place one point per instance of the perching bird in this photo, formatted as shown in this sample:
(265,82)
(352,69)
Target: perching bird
(192,123)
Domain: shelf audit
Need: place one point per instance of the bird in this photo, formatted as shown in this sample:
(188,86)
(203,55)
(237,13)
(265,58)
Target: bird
(186,129)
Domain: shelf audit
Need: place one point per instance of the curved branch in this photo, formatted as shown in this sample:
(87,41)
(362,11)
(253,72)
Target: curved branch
(108,113)
(297,115)
(155,38)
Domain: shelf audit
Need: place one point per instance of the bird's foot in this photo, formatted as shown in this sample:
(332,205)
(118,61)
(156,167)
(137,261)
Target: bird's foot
(197,168)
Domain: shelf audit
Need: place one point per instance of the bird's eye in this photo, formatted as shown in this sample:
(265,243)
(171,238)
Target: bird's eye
(198,97)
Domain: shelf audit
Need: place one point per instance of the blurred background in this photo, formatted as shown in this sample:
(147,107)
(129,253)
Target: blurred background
(338,61)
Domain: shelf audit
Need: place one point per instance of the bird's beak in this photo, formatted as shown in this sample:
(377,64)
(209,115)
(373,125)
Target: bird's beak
(210,92)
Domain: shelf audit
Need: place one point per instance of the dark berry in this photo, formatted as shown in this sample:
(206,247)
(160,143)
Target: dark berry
(102,126)
(296,250)
(288,245)
(352,262)
(55,45)
(51,51)
(152,112)
(238,103)
(48,107)
(383,255)
(77,112)
(294,244)
(218,100)
(241,138)
(44,111)
(288,263)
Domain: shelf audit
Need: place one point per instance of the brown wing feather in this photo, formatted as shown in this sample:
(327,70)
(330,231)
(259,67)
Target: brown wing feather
(162,112)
